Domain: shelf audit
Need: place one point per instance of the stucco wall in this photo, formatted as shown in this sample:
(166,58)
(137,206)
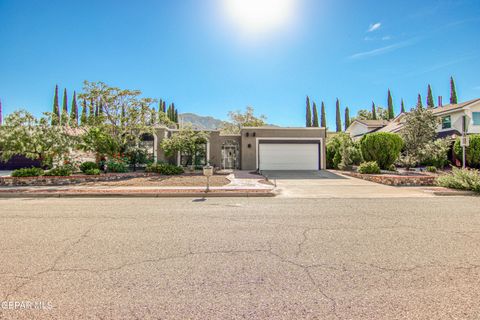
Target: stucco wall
(457,120)
(248,144)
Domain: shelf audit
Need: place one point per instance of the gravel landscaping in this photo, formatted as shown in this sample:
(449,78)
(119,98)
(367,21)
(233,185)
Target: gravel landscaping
(165,181)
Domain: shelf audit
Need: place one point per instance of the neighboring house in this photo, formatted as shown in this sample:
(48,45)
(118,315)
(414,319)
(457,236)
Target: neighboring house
(262,148)
(450,116)
(359,128)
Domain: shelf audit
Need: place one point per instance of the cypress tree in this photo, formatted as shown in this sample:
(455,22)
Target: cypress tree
(308,122)
(430,103)
(176,116)
(453,92)
(1,115)
(374,111)
(391,112)
(100,109)
(339,117)
(172,112)
(96,109)
(74,111)
(160,105)
(169,112)
(65,106)
(347,118)
(419,101)
(315,116)
(164,107)
(91,112)
(323,119)
(83,117)
(56,109)
(403,107)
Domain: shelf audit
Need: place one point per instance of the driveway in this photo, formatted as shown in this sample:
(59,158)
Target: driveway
(327,184)
(247,258)
(4,173)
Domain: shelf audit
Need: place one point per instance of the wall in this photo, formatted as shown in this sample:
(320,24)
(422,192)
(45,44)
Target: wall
(457,120)
(357,129)
(249,154)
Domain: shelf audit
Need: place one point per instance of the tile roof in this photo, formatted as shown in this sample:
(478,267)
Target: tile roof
(454,107)
(373,123)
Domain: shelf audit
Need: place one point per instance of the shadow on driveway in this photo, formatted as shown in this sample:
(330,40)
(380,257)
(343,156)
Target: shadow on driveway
(295,175)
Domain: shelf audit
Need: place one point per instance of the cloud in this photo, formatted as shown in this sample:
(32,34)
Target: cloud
(374,27)
(382,50)
(385,38)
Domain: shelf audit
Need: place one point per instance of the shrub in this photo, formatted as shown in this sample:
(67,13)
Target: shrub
(462,179)
(342,152)
(165,169)
(369,168)
(89,165)
(473,151)
(93,172)
(116,166)
(431,169)
(61,171)
(27,172)
(382,147)
(435,153)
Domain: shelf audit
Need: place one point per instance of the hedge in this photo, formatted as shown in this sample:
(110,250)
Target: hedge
(382,147)
(473,151)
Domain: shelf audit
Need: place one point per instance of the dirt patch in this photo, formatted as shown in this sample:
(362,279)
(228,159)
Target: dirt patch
(165,181)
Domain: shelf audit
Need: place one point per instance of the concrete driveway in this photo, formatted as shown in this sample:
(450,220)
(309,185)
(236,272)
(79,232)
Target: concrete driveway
(4,173)
(247,258)
(327,184)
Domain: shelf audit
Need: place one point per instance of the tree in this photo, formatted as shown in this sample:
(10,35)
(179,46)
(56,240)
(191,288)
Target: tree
(338,117)
(323,116)
(74,111)
(176,116)
(430,103)
(453,92)
(240,119)
(374,111)
(315,116)
(186,141)
(403,107)
(153,117)
(308,122)
(342,152)
(91,112)
(391,112)
(419,102)
(420,128)
(379,113)
(84,117)
(56,109)
(347,118)
(382,147)
(64,117)
(23,134)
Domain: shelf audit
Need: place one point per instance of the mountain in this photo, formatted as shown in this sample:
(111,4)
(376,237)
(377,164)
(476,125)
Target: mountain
(201,122)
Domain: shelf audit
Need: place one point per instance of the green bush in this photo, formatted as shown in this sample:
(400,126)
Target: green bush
(93,172)
(369,168)
(89,165)
(27,172)
(473,151)
(435,153)
(432,169)
(61,171)
(342,152)
(382,147)
(462,179)
(165,169)
(116,166)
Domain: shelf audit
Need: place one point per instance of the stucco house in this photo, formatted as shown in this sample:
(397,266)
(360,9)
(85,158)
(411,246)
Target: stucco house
(262,148)
(359,127)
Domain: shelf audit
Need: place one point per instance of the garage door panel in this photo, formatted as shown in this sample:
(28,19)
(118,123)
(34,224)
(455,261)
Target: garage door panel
(285,156)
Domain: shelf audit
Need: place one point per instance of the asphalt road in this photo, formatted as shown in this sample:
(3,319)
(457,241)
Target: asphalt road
(274,258)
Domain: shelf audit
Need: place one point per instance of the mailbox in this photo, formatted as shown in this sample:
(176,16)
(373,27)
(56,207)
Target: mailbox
(208,171)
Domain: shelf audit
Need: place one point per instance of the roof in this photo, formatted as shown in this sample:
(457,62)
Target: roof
(372,123)
(453,107)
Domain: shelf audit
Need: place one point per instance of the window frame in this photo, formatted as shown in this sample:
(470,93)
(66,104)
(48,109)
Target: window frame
(478,118)
(444,123)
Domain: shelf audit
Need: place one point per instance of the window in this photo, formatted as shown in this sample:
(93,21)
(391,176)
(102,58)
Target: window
(446,122)
(476,118)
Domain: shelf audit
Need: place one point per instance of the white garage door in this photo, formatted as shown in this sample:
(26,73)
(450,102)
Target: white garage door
(285,156)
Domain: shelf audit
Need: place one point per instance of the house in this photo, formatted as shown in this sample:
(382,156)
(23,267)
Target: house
(359,127)
(450,124)
(262,148)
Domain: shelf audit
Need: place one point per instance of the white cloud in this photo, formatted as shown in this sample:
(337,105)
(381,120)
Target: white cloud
(374,27)
(382,50)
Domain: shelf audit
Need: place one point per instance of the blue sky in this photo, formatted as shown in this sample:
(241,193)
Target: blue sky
(196,54)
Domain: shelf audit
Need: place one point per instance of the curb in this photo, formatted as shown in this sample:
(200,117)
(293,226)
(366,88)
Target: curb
(455,193)
(140,195)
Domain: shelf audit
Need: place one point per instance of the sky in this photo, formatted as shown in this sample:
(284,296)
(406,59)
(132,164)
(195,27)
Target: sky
(214,56)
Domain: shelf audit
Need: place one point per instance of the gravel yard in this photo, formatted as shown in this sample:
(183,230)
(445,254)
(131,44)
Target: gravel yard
(165,181)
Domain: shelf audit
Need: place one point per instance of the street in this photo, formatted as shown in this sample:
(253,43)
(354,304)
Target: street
(240,258)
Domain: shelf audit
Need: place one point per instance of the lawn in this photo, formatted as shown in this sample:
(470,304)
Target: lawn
(165,181)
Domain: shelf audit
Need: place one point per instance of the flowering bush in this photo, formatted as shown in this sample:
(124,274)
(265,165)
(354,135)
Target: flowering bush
(462,179)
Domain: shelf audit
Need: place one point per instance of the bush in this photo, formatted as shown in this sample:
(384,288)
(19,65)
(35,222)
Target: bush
(116,166)
(93,172)
(473,151)
(61,171)
(435,153)
(462,179)
(165,169)
(27,172)
(431,169)
(382,147)
(342,152)
(89,165)
(369,168)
